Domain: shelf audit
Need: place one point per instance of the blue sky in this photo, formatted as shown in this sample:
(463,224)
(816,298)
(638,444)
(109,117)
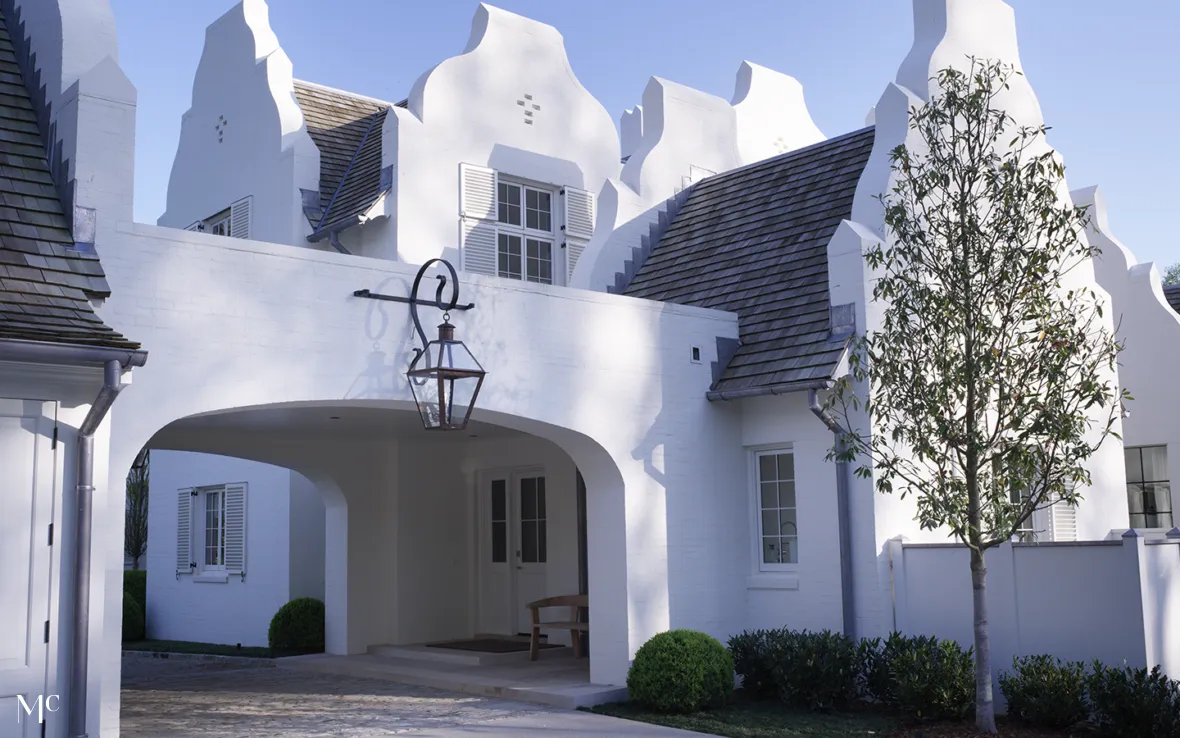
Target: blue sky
(1105,73)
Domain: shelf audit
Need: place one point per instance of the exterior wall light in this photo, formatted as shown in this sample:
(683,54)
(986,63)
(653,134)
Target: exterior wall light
(444,375)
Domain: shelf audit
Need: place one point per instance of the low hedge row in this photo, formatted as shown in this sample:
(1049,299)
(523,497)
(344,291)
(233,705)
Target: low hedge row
(1122,701)
(926,678)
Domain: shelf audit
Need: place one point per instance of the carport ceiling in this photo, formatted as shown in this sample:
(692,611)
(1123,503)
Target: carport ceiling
(335,421)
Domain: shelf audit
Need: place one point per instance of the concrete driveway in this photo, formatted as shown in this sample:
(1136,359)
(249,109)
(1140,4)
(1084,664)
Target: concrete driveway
(184,698)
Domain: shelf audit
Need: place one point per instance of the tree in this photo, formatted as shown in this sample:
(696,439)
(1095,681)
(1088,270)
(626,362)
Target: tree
(135,532)
(990,380)
(1172,274)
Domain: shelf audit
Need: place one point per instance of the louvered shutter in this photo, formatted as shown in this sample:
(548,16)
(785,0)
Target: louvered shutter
(1063,521)
(184,528)
(235,528)
(578,225)
(239,218)
(477,219)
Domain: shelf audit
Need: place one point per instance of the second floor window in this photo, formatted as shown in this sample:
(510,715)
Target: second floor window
(1149,491)
(524,241)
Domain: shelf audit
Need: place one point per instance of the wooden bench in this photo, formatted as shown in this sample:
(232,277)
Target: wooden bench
(573,624)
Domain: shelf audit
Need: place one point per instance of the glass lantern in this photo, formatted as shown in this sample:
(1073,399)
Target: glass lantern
(445,380)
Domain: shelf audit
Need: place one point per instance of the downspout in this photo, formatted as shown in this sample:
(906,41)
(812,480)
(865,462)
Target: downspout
(79,661)
(843,485)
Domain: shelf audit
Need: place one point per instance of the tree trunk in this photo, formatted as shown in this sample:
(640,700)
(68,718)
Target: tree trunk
(985,711)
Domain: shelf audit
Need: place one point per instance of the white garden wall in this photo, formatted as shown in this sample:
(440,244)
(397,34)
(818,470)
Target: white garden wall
(1105,600)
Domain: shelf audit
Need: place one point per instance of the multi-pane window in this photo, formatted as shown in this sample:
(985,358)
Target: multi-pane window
(532,520)
(214,529)
(524,244)
(777,522)
(1149,491)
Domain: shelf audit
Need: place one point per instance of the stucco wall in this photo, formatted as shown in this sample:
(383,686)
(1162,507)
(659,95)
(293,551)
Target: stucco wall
(608,393)
(179,608)
(1042,599)
(1150,332)
(306,548)
(243,134)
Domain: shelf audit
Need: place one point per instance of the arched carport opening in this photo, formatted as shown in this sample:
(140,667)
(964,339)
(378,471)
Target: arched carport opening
(433,536)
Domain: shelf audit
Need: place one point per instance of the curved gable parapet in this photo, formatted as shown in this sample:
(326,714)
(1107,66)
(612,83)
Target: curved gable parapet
(1118,271)
(244,134)
(772,115)
(513,88)
(687,134)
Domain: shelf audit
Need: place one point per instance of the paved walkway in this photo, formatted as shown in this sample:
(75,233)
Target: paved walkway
(208,699)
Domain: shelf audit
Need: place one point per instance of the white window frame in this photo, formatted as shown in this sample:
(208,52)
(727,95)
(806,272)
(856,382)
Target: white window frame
(1171,512)
(525,234)
(201,513)
(760,566)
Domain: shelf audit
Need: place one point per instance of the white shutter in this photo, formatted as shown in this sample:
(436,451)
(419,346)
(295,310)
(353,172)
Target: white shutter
(235,528)
(198,226)
(573,252)
(1063,521)
(239,218)
(184,527)
(477,219)
(579,213)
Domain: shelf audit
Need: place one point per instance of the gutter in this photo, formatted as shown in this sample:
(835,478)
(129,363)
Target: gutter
(772,389)
(113,361)
(843,485)
(332,232)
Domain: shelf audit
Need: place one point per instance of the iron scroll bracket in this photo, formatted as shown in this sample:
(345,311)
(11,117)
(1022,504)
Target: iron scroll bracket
(414,301)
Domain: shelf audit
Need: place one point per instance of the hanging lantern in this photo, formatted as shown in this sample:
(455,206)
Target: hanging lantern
(445,379)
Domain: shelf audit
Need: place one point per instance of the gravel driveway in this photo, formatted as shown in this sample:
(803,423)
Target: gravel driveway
(201,699)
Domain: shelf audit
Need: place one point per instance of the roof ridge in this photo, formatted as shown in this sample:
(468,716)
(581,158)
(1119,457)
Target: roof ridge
(339,91)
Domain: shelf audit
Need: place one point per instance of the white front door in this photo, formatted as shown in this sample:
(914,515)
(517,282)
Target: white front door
(26,510)
(513,549)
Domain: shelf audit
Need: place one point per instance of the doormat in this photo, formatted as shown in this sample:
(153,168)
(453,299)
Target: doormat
(489,645)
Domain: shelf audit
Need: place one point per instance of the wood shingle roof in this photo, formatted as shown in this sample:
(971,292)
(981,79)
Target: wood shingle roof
(46,279)
(754,241)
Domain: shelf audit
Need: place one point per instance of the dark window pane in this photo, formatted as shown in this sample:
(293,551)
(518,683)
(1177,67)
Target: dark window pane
(545,222)
(770,551)
(1134,464)
(1135,498)
(528,541)
(766,470)
(786,494)
(769,495)
(499,500)
(528,499)
(769,522)
(1155,463)
(541,498)
(790,550)
(499,542)
(786,523)
(541,543)
(786,466)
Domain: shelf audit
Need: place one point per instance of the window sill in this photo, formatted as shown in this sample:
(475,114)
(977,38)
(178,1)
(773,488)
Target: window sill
(212,577)
(773,580)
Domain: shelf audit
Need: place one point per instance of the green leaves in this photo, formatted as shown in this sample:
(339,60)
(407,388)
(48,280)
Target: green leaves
(989,381)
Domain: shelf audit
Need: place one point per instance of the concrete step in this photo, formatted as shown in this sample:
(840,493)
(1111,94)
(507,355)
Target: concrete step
(465,658)
(557,683)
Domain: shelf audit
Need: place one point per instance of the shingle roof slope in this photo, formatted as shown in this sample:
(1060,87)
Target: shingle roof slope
(347,130)
(754,241)
(1172,292)
(45,282)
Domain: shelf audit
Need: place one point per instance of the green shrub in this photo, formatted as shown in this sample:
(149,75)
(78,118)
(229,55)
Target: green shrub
(751,659)
(681,671)
(1130,703)
(877,663)
(1044,691)
(133,624)
(931,679)
(817,671)
(135,583)
(298,627)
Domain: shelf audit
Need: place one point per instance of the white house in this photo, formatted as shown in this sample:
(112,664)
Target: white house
(657,334)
